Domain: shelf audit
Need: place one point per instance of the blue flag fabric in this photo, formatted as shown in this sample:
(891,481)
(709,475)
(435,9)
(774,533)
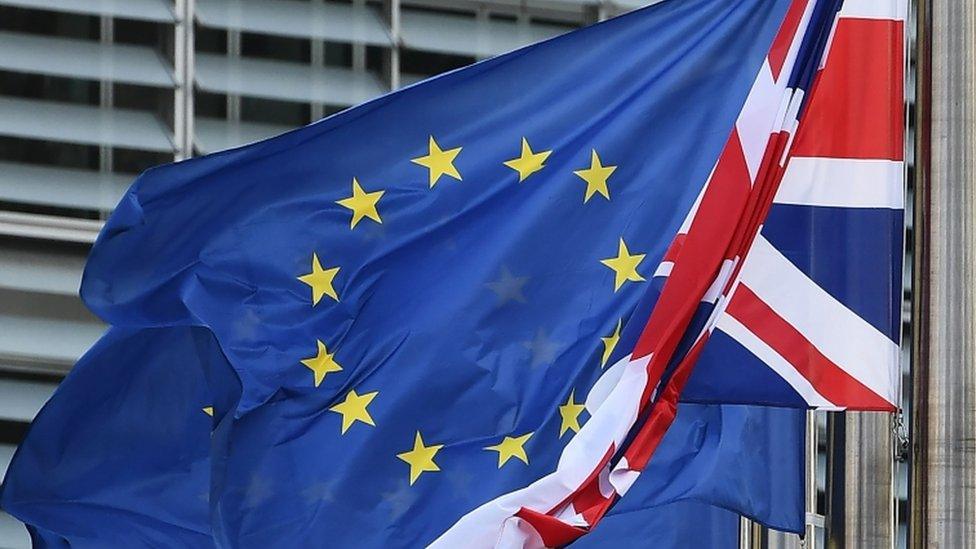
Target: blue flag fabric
(745,459)
(120,456)
(110,468)
(674,526)
(395,314)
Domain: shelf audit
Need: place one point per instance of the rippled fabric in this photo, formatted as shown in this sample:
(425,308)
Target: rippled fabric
(435,267)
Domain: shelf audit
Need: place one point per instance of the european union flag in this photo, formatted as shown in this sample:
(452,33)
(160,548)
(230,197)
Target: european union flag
(359,332)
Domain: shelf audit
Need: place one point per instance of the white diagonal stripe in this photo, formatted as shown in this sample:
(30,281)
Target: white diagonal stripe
(842,336)
(664,269)
(758,119)
(737,331)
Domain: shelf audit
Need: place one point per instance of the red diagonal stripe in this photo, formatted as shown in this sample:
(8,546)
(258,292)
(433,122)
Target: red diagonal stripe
(829,379)
(699,258)
(784,38)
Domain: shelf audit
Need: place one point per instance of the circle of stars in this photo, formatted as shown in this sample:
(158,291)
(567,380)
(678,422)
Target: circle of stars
(364,204)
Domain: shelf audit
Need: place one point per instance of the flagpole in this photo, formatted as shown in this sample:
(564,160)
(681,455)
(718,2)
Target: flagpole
(943,483)
(869,519)
(814,520)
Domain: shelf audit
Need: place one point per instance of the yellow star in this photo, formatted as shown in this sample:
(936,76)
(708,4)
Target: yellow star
(528,162)
(362,204)
(438,162)
(320,280)
(609,343)
(596,177)
(421,458)
(570,414)
(322,363)
(353,409)
(511,447)
(624,266)
(208,410)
